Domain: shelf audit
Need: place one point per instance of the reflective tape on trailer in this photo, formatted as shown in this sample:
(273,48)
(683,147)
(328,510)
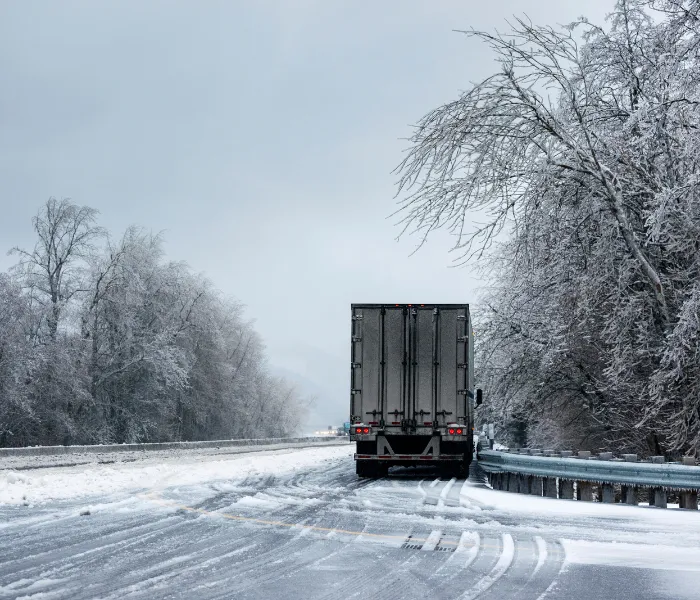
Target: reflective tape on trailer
(399,457)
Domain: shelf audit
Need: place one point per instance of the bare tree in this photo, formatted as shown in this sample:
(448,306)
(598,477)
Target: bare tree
(66,238)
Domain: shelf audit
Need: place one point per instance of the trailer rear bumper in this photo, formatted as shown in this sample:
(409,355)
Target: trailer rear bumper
(410,457)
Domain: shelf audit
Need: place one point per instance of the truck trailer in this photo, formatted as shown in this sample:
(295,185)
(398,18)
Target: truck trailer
(412,396)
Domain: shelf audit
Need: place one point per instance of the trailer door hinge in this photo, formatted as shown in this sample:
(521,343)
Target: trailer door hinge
(356,338)
(355,392)
(356,318)
(462,392)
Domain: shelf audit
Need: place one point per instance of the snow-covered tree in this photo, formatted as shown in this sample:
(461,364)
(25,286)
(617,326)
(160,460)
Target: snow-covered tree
(580,160)
(118,344)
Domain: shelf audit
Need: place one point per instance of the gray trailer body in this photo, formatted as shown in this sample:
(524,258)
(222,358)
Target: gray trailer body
(412,385)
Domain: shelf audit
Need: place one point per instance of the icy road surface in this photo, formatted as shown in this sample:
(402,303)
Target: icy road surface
(299,524)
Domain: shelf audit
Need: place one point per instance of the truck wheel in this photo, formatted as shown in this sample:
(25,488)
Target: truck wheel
(382,470)
(365,468)
(461,470)
(464,466)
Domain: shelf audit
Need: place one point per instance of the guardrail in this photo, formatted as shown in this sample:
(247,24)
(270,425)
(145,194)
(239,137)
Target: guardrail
(113,448)
(589,477)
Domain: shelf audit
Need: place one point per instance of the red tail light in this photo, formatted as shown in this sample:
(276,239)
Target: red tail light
(451,431)
(459,432)
(358,430)
(365,430)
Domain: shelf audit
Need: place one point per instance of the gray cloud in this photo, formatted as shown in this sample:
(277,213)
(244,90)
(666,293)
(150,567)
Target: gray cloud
(260,135)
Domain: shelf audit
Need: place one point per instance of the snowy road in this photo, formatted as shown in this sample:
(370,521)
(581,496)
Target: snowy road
(299,524)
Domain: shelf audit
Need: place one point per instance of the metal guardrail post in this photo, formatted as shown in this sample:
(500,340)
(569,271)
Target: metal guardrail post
(629,495)
(524,484)
(513,482)
(658,497)
(550,487)
(608,493)
(536,487)
(630,492)
(585,491)
(566,489)
(688,500)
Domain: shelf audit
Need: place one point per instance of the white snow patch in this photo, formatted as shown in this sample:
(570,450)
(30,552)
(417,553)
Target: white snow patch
(534,505)
(256,501)
(643,556)
(541,553)
(432,541)
(445,491)
(29,585)
(504,561)
(58,483)
(469,543)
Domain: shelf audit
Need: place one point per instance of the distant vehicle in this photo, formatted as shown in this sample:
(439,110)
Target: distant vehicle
(412,394)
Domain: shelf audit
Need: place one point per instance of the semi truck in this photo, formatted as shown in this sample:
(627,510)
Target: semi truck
(412,396)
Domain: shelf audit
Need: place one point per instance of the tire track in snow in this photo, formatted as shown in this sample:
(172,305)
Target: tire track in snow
(504,561)
(284,546)
(445,491)
(433,491)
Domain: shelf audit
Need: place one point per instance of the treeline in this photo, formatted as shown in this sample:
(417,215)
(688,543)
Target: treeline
(106,341)
(575,171)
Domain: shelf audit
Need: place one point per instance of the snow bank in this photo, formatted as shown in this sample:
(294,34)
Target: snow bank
(535,505)
(41,485)
(649,556)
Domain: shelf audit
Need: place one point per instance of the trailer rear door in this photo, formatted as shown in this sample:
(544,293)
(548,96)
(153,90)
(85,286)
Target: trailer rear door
(410,364)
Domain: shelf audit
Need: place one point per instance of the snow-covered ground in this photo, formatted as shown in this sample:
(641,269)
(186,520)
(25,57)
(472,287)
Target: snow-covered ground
(298,523)
(153,471)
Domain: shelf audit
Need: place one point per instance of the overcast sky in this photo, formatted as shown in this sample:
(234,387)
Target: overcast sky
(259,135)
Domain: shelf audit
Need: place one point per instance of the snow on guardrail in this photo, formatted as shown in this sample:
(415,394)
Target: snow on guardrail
(559,475)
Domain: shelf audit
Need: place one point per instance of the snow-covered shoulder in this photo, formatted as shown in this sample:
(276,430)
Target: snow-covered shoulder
(60,483)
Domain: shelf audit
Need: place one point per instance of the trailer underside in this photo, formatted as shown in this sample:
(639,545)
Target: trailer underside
(375,456)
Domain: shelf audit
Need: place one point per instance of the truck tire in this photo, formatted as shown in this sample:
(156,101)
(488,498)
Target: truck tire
(458,469)
(462,470)
(464,467)
(371,468)
(365,468)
